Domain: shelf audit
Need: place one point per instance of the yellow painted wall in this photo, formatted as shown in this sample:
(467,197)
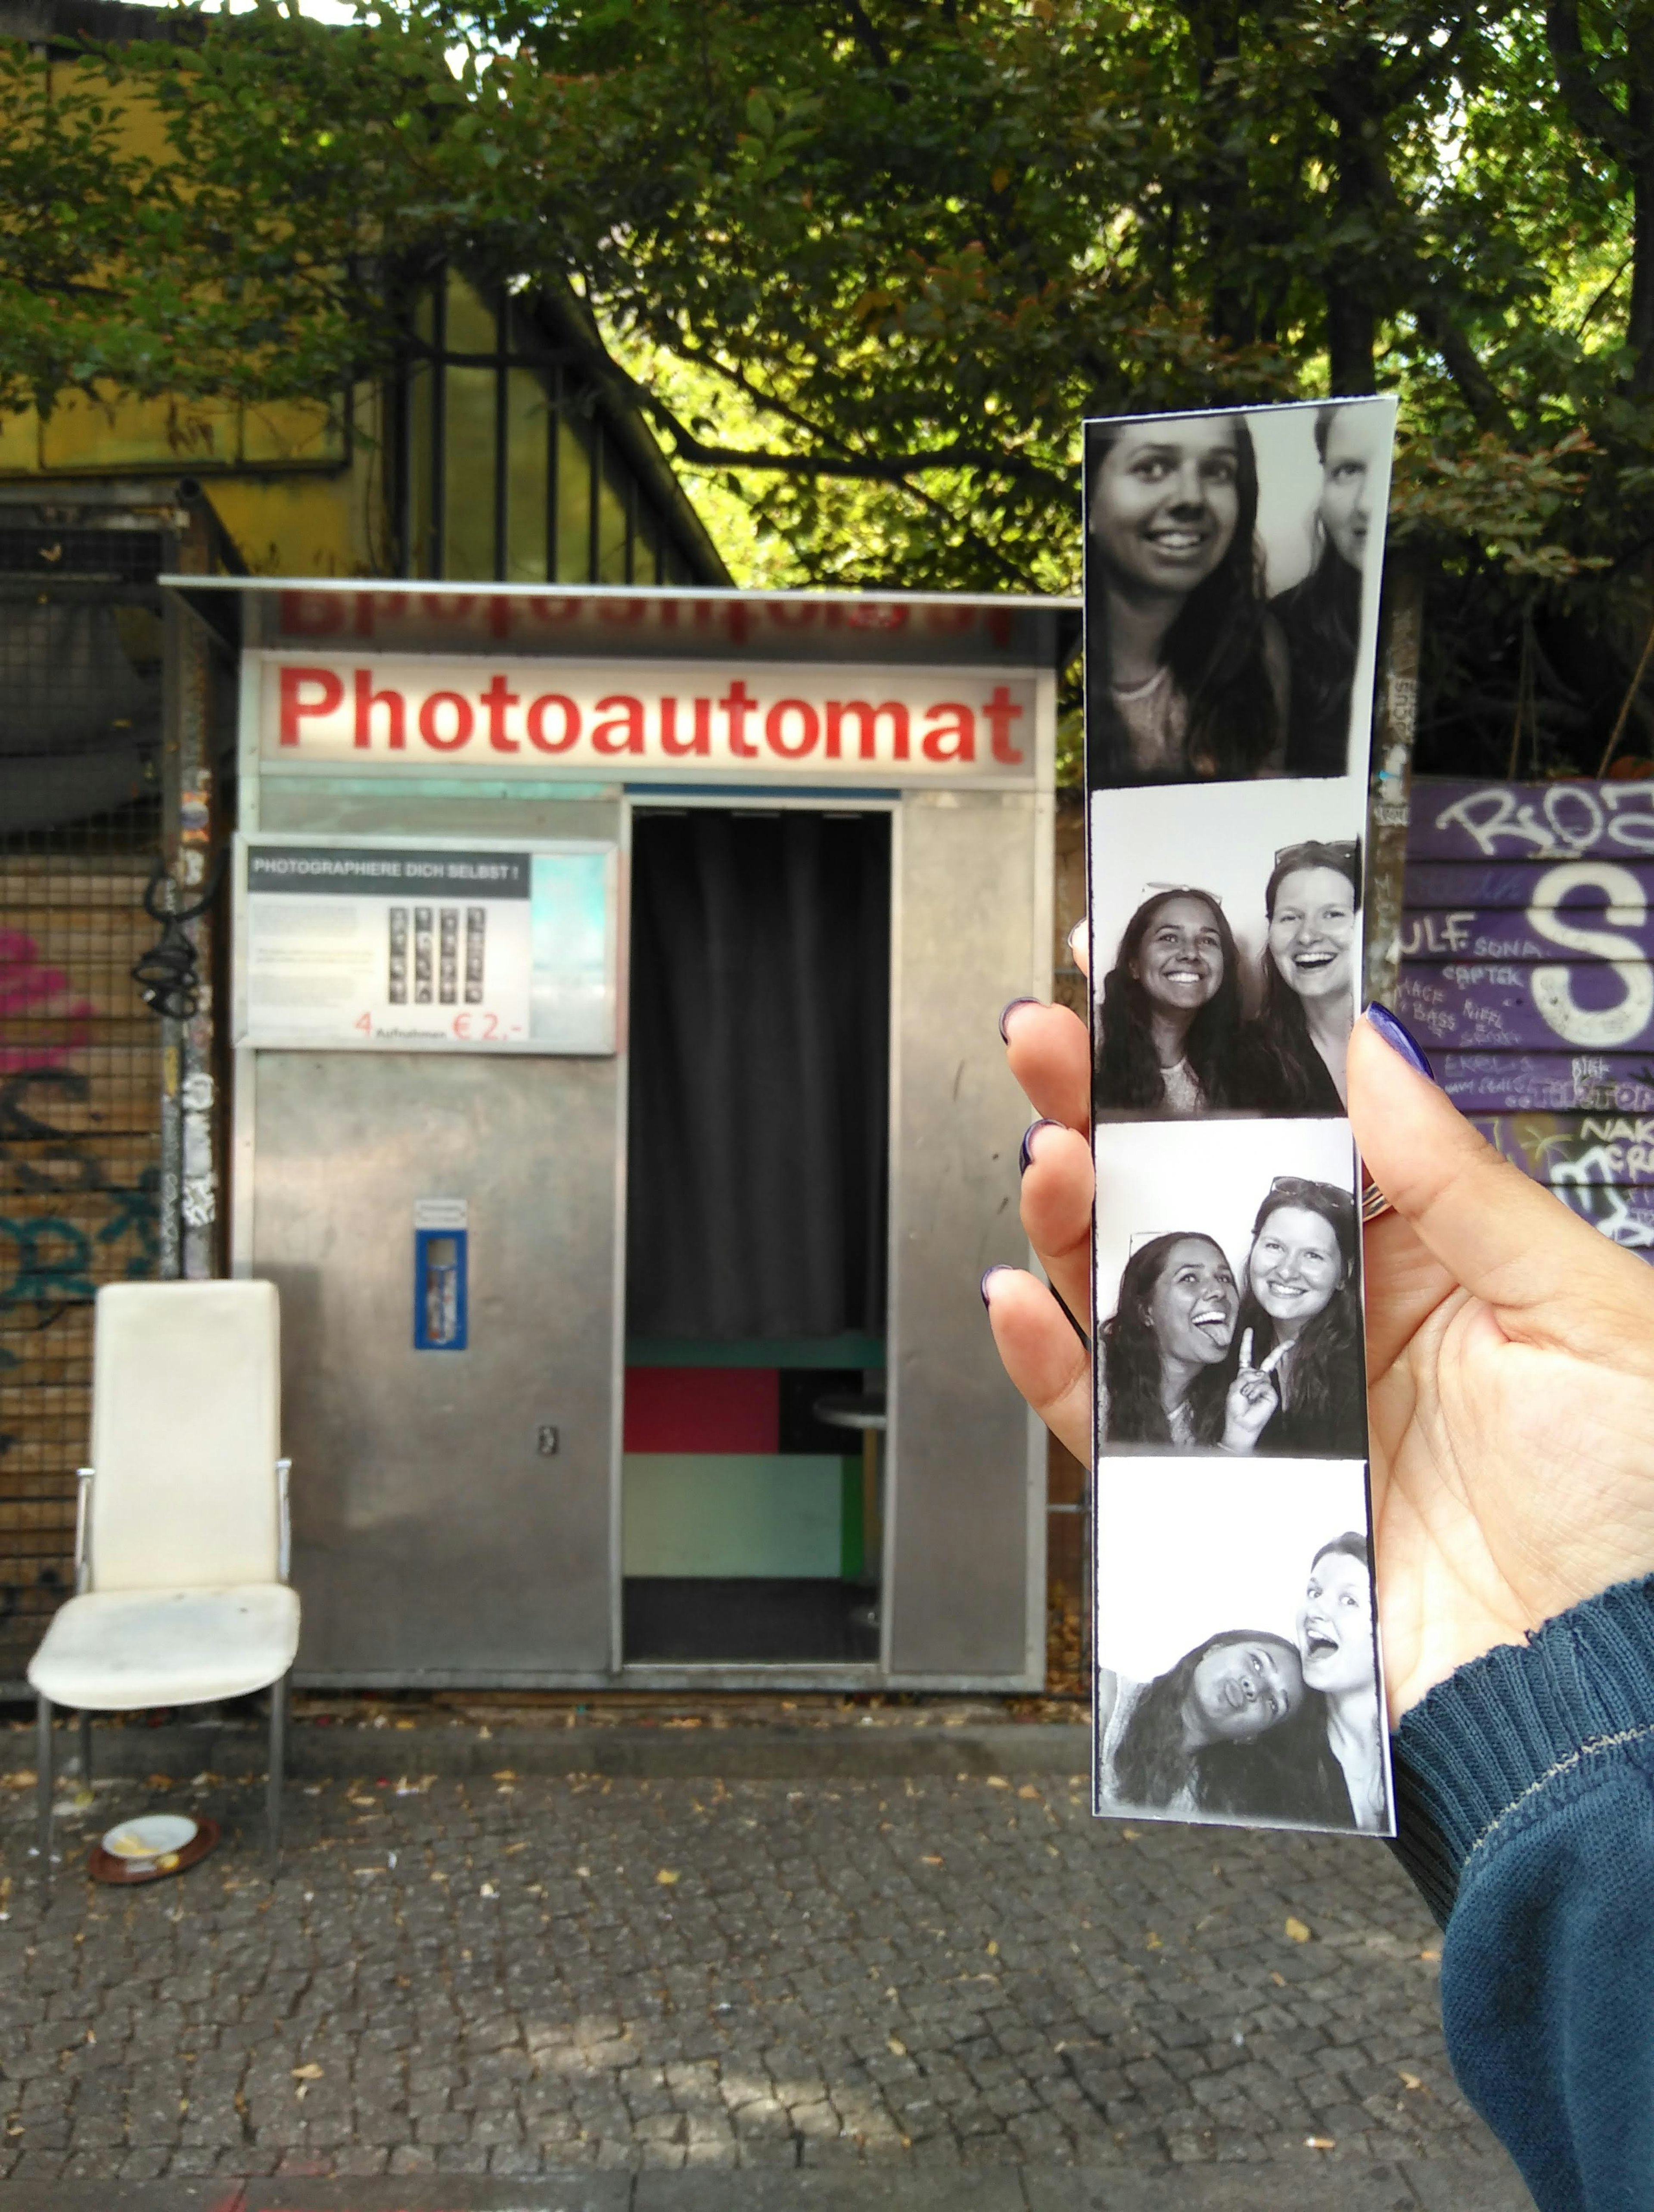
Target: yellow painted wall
(298,488)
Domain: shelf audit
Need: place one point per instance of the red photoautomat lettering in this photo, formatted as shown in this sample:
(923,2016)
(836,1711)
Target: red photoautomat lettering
(295,706)
(495,700)
(676,747)
(1002,711)
(539,709)
(463,717)
(395,714)
(775,728)
(866,716)
(737,705)
(953,740)
(626,718)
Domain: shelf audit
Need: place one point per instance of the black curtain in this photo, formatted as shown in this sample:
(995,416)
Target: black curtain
(760,1026)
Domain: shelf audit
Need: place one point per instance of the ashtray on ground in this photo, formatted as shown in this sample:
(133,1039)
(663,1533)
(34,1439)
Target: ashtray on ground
(152,1847)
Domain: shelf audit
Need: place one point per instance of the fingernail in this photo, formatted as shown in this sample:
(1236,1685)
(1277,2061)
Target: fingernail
(999,1267)
(1399,1039)
(1004,1019)
(1025,1157)
(1077,935)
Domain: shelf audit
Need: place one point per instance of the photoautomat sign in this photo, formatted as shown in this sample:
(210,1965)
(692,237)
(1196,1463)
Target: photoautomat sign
(358,944)
(638,721)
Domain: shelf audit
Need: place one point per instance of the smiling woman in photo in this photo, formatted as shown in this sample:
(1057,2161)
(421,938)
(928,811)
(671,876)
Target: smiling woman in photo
(1293,1054)
(1339,1657)
(1300,1389)
(1168,1335)
(1169,1023)
(1188,669)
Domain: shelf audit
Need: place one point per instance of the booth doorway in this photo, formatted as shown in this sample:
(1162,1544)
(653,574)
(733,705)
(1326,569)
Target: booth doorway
(753,1483)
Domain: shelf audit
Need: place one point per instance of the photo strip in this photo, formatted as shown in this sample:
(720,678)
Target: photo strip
(1232,571)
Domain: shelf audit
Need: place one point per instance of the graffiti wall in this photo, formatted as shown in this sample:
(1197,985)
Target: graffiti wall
(1528,973)
(80,1085)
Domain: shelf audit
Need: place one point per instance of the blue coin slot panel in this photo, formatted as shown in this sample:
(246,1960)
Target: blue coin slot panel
(440,1289)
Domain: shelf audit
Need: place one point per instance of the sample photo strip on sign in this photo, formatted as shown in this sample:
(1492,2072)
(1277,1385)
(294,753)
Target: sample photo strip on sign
(1233,567)
(365,944)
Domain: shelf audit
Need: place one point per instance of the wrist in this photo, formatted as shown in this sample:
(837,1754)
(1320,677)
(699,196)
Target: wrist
(1511,1734)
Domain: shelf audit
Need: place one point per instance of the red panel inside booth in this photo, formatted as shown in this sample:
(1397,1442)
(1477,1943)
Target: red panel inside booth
(703,1409)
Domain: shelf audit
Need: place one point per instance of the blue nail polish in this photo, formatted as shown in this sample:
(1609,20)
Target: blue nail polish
(1396,1035)
(1025,1156)
(999,1267)
(1009,1012)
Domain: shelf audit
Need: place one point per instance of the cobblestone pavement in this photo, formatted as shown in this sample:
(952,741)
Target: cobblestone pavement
(514,1976)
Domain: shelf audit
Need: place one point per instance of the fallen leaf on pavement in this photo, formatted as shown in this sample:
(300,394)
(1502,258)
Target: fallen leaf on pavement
(310,2073)
(1296,1930)
(667,1876)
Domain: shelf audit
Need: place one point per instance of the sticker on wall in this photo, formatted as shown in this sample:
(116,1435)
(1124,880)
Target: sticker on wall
(361,944)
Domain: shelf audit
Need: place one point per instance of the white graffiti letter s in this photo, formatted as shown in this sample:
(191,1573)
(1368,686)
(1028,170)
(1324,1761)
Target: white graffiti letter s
(1600,1028)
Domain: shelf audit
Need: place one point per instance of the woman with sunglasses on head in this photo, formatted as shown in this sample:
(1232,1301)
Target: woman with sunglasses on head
(1297,1386)
(1292,1055)
(1188,665)
(1168,1027)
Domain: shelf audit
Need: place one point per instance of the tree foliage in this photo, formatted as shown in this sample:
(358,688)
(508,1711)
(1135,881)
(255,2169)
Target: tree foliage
(871,262)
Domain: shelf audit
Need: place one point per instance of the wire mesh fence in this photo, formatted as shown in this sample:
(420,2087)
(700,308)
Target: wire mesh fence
(79,1053)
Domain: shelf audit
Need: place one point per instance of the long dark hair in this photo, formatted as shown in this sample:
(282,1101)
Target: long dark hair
(1131,1353)
(1128,1073)
(1327,1417)
(1152,1762)
(1215,649)
(1281,1054)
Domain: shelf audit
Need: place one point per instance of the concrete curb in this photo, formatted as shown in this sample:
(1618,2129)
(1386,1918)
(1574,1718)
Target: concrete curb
(1409,2185)
(237,1750)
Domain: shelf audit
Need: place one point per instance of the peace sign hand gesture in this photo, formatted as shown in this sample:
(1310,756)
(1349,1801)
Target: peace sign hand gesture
(1252,1399)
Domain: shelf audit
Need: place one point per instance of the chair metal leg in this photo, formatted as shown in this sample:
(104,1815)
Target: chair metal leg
(43,1782)
(86,1751)
(278,1752)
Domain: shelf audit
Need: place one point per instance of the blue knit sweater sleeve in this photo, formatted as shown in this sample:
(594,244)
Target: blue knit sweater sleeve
(1525,1791)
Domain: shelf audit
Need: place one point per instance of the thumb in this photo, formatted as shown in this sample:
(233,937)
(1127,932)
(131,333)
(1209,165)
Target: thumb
(1507,1239)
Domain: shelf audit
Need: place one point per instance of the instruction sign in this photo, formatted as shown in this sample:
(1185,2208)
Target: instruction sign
(361,944)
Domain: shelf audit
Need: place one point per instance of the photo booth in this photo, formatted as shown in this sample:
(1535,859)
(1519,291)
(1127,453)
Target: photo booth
(618,1108)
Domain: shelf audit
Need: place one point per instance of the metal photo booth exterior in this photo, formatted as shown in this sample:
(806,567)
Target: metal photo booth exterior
(430,1142)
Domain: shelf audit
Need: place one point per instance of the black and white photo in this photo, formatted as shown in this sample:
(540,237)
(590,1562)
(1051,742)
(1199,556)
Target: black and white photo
(1232,591)
(1229,1300)
(1237,1664)
(1226,952)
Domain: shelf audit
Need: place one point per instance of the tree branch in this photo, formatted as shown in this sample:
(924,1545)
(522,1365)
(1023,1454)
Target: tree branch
(1595,113)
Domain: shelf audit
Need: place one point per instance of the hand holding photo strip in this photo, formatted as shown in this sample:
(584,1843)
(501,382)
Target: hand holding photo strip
(1232,565)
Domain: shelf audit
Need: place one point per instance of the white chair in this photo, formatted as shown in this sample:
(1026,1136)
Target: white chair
(181,1532)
